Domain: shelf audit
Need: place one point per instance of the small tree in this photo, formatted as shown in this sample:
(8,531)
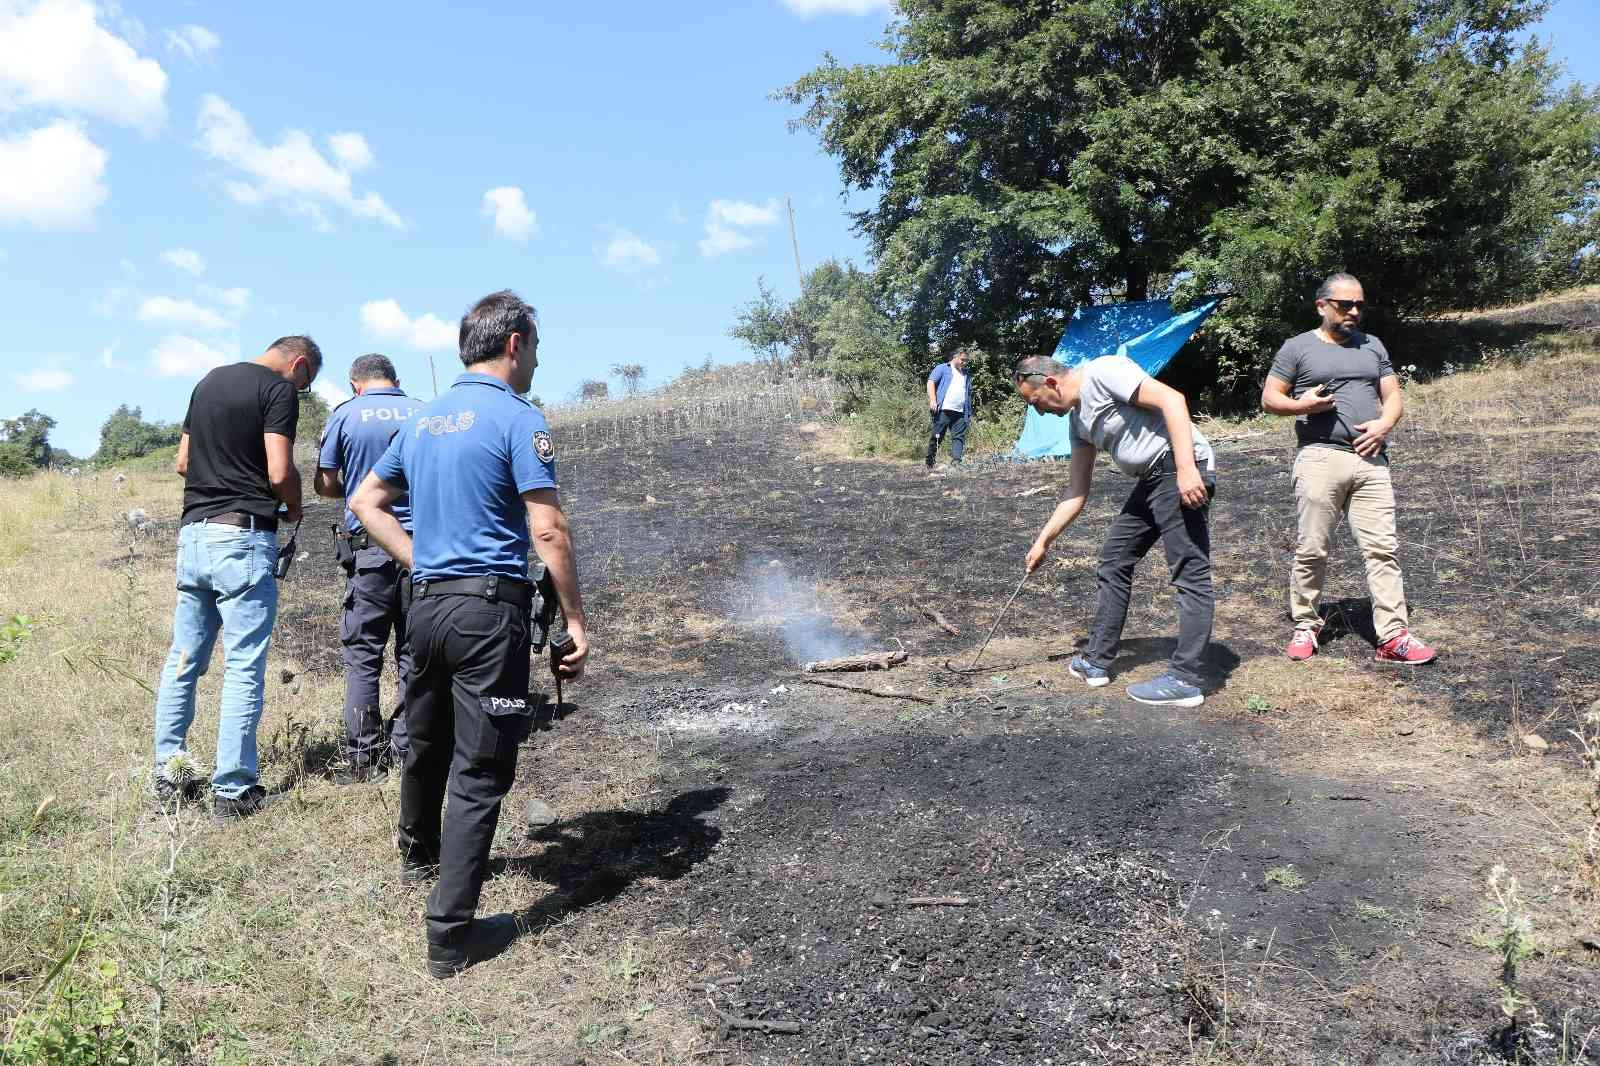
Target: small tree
(592,390)
(631,374)
(313,416)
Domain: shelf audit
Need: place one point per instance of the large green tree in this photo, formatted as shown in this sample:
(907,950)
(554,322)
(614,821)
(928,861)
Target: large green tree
(25,443)
(1031,155)
(126,435)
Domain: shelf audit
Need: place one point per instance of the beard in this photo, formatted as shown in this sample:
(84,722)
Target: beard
(1339,329)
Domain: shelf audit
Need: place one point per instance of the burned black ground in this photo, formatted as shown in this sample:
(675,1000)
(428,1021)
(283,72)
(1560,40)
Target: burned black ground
(1115,858)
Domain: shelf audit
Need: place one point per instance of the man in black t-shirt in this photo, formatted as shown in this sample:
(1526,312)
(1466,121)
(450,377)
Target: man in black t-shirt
(236,458)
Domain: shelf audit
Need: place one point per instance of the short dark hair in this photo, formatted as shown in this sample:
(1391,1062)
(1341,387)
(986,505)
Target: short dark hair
(489,325)
(1325,290)
(373,367)
(297,347)
(1042,365)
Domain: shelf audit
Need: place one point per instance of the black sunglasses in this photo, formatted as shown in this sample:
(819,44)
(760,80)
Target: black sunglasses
(1346,305)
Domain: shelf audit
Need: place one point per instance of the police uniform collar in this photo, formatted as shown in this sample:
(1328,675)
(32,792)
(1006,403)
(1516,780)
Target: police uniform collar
(474,378)
(392,390)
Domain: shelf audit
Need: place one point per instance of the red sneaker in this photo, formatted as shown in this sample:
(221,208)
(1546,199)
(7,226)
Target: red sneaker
(1304,645)
(1406,649)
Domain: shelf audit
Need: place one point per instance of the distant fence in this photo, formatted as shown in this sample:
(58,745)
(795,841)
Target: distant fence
(651,418)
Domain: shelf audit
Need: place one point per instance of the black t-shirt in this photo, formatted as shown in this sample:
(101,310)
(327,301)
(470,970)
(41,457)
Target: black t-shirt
(229,411)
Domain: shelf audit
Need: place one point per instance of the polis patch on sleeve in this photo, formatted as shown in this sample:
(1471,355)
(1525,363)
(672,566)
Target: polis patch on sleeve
(543,446)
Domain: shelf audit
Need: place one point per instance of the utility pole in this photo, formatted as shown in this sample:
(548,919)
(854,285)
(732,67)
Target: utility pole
(800,275)
(435,374)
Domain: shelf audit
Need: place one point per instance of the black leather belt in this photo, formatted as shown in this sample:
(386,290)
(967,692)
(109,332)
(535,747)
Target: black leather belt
(241,520)
(494,589)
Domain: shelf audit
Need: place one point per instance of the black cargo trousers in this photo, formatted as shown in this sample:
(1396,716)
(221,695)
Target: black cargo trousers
(467,710)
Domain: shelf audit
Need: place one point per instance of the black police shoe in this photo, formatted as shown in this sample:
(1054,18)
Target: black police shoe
(365,774)
(486,938)
(251,802)
(417,873)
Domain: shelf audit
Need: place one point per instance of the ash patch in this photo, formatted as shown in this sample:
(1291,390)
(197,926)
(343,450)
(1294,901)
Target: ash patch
(731,717)
(687,708)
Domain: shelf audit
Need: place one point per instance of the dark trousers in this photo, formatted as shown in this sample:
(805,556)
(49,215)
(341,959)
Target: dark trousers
(1154,512)
(468,709)
(372,613)
(954,423)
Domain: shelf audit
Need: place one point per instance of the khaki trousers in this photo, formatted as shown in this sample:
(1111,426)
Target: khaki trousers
(1329,483)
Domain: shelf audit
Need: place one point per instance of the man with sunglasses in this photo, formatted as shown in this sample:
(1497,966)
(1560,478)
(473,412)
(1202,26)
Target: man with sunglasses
(237,462)
(1340,387)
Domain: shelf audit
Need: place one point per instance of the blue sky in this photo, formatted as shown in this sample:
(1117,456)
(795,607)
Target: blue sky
(184,182)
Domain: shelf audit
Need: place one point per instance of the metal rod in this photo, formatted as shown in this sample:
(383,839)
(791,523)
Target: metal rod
(997,621)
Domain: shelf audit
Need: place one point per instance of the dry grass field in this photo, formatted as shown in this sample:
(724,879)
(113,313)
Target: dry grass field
(1303,870)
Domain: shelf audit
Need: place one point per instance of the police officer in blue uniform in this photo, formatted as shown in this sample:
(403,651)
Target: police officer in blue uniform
(358,432)
(479,464)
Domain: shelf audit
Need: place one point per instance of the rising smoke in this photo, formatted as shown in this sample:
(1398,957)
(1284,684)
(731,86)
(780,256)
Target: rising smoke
(768,599)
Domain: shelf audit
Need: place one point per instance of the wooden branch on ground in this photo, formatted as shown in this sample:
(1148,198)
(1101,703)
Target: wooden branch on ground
(1033,492)
(880,692)
(941,621)
(938,901)
(1014,665)
(878,660)
(759,1025)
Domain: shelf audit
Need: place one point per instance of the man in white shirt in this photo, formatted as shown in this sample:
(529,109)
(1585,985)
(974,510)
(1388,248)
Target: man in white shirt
(949,406)
(1114,406)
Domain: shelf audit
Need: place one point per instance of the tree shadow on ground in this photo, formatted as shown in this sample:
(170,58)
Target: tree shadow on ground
(595,857)
(1220,660)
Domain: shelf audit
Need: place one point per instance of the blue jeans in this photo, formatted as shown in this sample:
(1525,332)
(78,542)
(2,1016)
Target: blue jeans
(225,583)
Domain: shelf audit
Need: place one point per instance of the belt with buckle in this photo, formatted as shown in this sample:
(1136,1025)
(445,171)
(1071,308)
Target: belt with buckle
(241,520)
(494,589)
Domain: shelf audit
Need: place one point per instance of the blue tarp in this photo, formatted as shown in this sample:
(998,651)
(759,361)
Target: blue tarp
(1146,331)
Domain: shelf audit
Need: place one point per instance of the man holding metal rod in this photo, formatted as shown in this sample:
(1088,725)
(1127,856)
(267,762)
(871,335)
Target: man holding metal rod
(1143,425)
(479,464)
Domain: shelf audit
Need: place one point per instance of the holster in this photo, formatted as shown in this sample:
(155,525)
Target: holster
(542,611)
(345,546)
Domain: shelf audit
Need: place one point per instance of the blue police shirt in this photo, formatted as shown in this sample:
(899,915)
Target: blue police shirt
(358,432)
(466,459)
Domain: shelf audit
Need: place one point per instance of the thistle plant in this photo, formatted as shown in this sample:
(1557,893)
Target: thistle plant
(1588,737)
(1514,943)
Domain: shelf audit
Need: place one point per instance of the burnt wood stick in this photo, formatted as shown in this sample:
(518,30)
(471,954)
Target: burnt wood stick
(879,692)
(881,660)
(759,1025)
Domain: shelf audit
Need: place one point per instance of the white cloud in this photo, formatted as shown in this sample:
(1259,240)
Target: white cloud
(384,320)
(167,311)
(185,259)
(52,177)
(194,43)
(52,376)
(813,8)
(351,150)
(108,357)
(292,172)
(331,394)
(236,299)
(512,218)
(727,221)
(178,356)
(628,252)
(55,54)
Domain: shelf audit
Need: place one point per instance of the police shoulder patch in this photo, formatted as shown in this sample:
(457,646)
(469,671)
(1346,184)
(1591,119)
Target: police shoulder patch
(543,446)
